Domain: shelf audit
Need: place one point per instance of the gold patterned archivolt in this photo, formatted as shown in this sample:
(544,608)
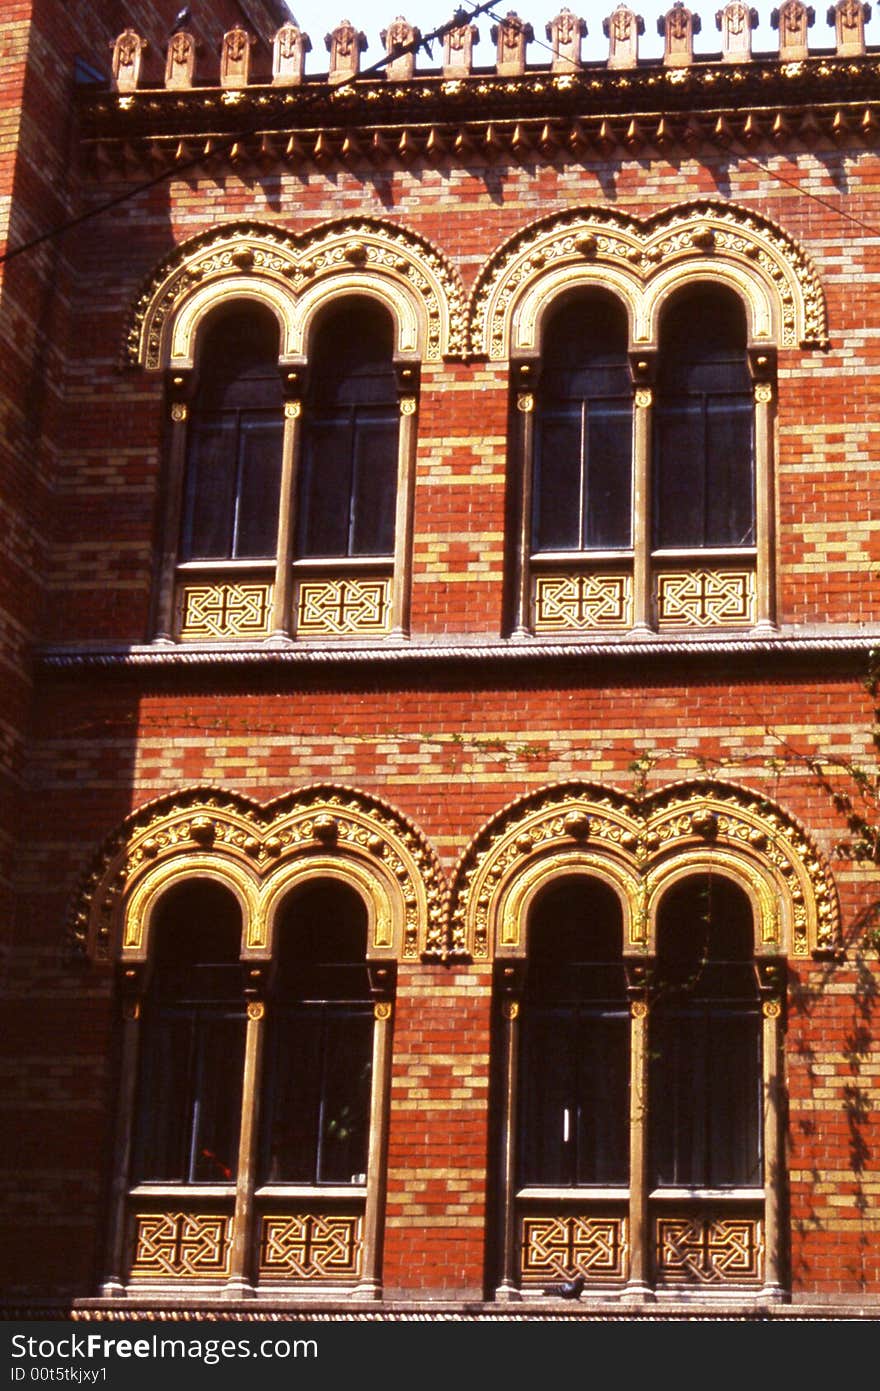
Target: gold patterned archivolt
(294,275)
(639,847)
(262,852)
(643,261)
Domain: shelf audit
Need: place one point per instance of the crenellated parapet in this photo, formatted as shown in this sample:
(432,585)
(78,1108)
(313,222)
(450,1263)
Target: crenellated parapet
(517,52)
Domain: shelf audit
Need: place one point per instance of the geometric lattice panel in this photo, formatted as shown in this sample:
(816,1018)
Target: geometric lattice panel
(182,1245)
(310,1246)
(565,603)
(225,610)
(709,1250)
(706,599)
(343,608)
(561,1247)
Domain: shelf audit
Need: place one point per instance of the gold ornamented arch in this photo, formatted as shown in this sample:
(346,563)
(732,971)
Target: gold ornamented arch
(639,847)
(643,261)
(261,852)
(293,274)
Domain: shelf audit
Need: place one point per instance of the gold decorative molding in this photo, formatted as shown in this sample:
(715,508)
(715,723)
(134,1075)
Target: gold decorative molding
(703,598)
(293,409)
(581,602)
(343,608)
(181,1246)
(560,1246)
(525,402)
(260,852)
(639,848)
(644,397)
(224,611)
(311,1246)
(643,261)
(382,1010)
(295,274)
(256,1010)
(179,412)
(709,1250)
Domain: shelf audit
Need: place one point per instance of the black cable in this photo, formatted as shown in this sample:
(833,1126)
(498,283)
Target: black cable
(460,17)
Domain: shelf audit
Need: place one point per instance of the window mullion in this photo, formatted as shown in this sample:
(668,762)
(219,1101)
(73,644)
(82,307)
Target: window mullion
(582,491)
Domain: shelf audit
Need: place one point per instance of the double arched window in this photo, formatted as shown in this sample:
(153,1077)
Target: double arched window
(289,481)
(252,1155)
(645,471)
(634,1119)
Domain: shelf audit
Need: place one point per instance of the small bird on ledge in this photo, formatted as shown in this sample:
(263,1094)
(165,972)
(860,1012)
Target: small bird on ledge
(567,1289)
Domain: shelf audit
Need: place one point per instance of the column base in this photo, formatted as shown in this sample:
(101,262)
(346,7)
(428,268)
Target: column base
(507,1294)
(367,1289)
(239,1288)
(113,1289)
(774,1294)
(637,1290)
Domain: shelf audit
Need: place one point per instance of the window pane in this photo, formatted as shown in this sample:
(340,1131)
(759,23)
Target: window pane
(217,1098)
(557,490)
(705,1040)
(292,1109)
(547,1098)
(259,485)
(679,501)
(375,483)
(345,1109)
(609,476)
(325,494)
(730,517)
(210,490)
(164,1101)
(603,1089)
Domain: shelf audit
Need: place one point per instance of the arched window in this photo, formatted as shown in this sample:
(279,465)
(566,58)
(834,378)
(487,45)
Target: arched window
(704,477)
(234,448)
(254,1097)
(288,502)
(638,1096)
(189,1091)
(574,1108)
(349,469)
(705,1041)
(583,429)
(320,1046)
(646,481)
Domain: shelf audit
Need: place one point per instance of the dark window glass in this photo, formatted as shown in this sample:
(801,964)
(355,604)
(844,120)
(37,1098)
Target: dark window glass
(348,472)
(192,1053)
(705,1050)
(574,1069)
(317,1109)
(704,425)
(234,446)
(583,430)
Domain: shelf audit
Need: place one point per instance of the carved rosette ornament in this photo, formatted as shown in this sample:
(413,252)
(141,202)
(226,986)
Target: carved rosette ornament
(848,19)
(398,37)
(762,263)
(622,30)
(289,51)
(677,28)
(793,19)
(510,38)
(180,61)
(293,273)
(127,60)
(235,58)
(458,48)
(345,45)
(736,22)
(565,33)
(638,848)
(261,852)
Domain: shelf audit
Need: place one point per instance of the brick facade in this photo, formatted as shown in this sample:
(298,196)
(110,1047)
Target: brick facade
(457,722)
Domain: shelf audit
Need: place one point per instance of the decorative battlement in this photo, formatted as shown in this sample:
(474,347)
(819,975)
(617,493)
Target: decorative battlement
(233,68)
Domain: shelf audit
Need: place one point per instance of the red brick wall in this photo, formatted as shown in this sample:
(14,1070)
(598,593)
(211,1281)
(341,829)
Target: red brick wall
(448,748)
